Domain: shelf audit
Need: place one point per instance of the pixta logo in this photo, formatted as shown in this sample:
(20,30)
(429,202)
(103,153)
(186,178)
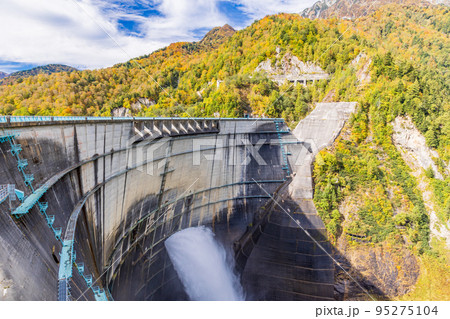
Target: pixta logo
(150,154)
(221,149)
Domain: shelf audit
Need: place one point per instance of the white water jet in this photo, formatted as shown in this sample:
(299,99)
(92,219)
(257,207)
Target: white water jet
(201,264)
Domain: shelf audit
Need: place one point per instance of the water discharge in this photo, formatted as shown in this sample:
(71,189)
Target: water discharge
(202,265)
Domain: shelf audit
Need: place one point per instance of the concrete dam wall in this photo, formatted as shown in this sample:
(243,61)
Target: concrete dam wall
(119,187)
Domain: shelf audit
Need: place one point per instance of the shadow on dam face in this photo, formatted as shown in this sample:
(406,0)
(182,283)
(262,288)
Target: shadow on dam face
(221,176)
(286,256)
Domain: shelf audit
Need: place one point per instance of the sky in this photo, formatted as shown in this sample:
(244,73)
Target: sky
(92,34)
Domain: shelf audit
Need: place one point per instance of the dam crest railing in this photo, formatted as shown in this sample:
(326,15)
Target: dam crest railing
(9,119)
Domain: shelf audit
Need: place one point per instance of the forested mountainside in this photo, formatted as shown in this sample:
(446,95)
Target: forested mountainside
(217,36)
(45,69)
(394,62)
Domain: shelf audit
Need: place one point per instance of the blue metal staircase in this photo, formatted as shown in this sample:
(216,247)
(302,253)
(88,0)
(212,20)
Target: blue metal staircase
(99,293)
(22,163)
(32,199)
(68,255)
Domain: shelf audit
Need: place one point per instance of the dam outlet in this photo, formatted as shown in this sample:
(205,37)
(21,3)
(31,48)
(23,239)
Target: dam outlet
(202,265)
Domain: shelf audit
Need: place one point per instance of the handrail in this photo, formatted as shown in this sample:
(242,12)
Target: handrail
(9,119)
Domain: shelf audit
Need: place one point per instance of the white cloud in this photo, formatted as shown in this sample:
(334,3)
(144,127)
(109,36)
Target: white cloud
(86,34)
(260,8)
(53,31)
(181,18)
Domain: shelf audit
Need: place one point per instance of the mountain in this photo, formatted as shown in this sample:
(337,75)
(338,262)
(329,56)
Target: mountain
(353,9)
(3,75)
(217,36)
(213,39)
(317,9)
(45,69)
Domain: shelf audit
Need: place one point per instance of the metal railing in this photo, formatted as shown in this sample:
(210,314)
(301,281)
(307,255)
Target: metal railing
(36,119)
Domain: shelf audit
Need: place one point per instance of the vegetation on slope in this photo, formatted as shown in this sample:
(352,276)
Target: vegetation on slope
(367,159)
(434,282)
(410,53)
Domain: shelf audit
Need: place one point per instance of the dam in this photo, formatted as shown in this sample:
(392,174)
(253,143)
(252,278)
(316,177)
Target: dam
(91,202)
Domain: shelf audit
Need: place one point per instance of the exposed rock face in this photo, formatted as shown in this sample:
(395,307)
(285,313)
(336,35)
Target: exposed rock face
(362,66)
(382,270)
(317,9)
(413,146)
(418,156)
(121,112)
(385,270)
(290,68)
(135,107)
(353,9)
(142,101)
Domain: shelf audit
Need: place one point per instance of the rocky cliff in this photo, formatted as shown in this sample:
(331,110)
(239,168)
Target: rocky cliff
(353,9)
(290,68)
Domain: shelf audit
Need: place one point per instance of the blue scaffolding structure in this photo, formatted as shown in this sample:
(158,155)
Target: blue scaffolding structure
(99,294)
(68,255)
(34,197)
(68,260)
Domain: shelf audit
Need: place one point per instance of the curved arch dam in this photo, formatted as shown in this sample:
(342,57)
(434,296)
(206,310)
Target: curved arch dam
(103,194)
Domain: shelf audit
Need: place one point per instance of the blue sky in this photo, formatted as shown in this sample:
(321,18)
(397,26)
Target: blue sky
(90,34)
